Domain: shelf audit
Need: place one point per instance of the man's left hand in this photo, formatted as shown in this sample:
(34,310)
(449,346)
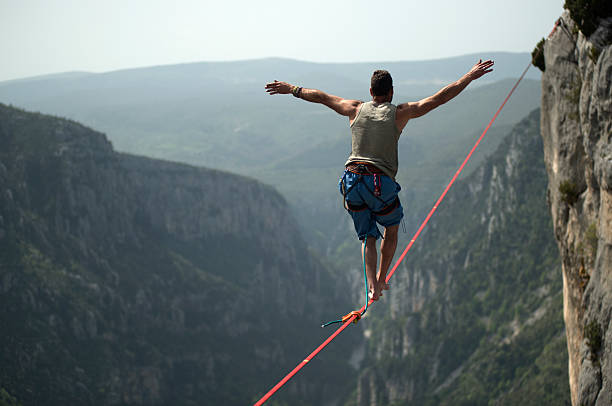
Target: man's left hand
(480,69)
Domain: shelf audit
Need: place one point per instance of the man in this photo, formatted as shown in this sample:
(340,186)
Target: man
(368,184)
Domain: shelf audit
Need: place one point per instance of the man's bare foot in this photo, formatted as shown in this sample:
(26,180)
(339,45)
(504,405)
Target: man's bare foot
(384,286)
(374,294)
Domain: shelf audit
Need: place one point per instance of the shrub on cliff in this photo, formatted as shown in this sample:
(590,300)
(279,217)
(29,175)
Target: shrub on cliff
(587,13)
(537,56)
(569,192)
(592,332)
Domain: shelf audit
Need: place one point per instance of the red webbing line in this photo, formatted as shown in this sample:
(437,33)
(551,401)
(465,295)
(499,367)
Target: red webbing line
(400,259)
(304,362)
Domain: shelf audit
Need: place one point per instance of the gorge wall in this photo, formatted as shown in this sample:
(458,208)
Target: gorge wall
(576,128)
(132,281)
(474,314)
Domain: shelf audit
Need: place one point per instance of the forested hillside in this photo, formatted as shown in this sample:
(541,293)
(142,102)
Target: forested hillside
(474,315)
(126,280)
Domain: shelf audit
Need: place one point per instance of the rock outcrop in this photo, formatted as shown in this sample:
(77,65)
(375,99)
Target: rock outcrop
(576,128)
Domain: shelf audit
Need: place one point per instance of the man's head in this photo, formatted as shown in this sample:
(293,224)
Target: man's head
(381,85)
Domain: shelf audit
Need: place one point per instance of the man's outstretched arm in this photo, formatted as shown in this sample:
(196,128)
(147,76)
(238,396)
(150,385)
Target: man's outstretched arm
(338,104)
(406,111)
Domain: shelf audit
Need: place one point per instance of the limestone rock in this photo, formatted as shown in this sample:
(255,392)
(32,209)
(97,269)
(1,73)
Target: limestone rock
(576,127)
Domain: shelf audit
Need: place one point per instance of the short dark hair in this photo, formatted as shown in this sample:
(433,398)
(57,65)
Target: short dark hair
(381,83)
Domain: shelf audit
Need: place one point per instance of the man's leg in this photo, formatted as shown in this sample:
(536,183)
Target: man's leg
(370,256)
(387,250)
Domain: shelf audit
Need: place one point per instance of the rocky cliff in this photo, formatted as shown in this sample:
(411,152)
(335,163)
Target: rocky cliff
(576,128)
(132,281)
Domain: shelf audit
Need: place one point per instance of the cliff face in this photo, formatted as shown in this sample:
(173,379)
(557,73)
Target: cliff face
(576,128)
(474,315)
(131,281)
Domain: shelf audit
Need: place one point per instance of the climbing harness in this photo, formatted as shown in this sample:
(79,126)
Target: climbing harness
(361,169)
(376,184)
(354,316)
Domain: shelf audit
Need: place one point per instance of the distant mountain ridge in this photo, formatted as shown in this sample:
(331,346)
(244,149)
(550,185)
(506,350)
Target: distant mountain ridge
(180,112)
(60,75)
(259,69)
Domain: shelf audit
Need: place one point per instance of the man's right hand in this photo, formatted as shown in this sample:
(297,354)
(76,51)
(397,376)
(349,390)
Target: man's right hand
(277,87)
(338,104)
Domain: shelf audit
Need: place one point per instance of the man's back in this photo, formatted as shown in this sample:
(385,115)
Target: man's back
(375,136)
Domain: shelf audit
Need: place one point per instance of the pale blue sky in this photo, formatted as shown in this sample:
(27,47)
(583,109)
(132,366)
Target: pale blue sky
(49,36)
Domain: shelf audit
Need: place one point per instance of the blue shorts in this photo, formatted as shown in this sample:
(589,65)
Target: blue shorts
(360,190)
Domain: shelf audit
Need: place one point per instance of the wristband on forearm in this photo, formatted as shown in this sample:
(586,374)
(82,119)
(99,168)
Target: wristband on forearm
(296,91)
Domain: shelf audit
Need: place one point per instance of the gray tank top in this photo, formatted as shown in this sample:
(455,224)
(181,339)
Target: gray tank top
(375,137)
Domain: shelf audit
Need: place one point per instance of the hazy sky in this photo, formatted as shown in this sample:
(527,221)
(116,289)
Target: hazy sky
(49,36)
